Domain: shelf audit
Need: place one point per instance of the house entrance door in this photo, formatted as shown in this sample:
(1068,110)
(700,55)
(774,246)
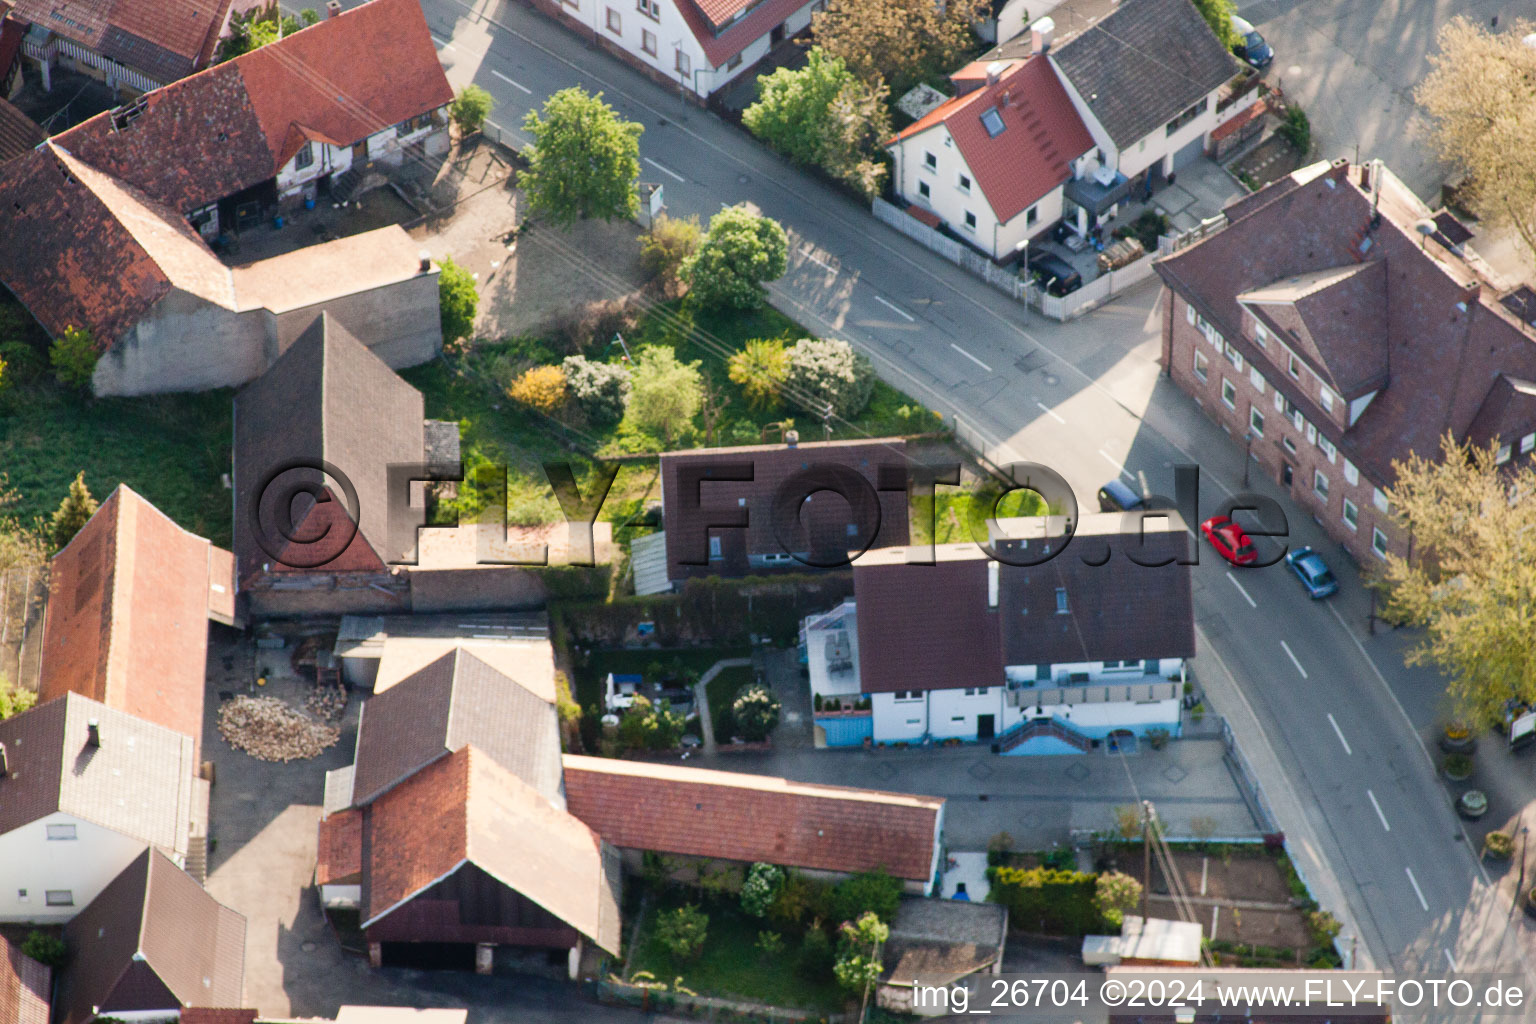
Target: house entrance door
(776,36)
(986,727)
(1287,473)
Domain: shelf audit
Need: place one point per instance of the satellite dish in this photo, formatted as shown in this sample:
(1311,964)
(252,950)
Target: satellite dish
(1425,226)
(610,719)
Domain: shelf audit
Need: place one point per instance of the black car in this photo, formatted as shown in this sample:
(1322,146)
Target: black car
(1055,273)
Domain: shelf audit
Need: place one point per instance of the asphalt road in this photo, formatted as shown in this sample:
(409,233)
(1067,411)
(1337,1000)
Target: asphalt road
(1313,698)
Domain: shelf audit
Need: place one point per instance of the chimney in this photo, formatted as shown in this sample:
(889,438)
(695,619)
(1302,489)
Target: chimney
(995,71)
(1007,95)
(1365,177)
(426,257)
(992,574)
(791,438)
(1040,35)
(332,8)
(93,733)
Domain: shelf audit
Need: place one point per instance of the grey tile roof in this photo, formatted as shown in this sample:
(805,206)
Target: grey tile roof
(455,701)
(1143,65)
(138,782)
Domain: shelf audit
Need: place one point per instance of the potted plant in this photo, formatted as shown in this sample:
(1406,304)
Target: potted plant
(1472,804)
(1498,845)
(1457,738)
(1457,767)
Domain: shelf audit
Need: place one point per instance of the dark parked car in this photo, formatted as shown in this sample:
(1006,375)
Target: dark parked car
(1251,46)
(1117,497)
(1313,572)
(1056,273)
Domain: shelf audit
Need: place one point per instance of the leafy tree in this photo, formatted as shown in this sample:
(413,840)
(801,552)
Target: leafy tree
(761,368)
(858,963)
(457,300)
(1296,128)
(1480,97)
(1471,587)
(73,355)
(601,389)
(740,252)
(900,41)
(470,108)
(260,26)
(14,700)
(664,394)
(540,387)
(873,892)
(1323,927)
(798,898)
(755,712)
(682,931)
(816,954)
(663,249)
(584,160)
(647,726)
(823,115)
(1218,15)
(73,512)
(770,945)
(1114,893)
(827,371)
(761,888)
(48,950)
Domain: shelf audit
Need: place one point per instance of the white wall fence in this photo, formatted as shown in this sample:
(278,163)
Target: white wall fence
(1004,280)
(1178,240)
(1096,292)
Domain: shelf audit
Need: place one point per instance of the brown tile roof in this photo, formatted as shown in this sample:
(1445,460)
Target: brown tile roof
(771,466)
(340,860)
(1447,342)
(1336,319)
(128,611)
(918,623)
(1509,411)
(153,939)
(467,808)
(218,1015)
(19,134)
(456,701)
(327,397)
(165,39)
(24,987)
(735,816)
(1041,136)
(138,782)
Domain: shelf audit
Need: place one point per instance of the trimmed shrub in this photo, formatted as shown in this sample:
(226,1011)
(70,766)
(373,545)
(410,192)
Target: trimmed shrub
(1047,900)
(825,371)
(872,892)
(761,888)
(600,389)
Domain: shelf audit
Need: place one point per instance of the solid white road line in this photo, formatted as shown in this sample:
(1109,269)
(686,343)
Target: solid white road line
(1383,817)
(1116,463)
(515,85)
(972,358)
(1416,890)
(808,254)
(1251,602)
(443,43)
(1451,960)
(899,312)
(1293,659)
(665,170)
(1340,734)
(1050,412)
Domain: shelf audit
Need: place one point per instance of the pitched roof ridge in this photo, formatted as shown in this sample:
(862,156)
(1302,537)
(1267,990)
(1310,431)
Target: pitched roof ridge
(745,780)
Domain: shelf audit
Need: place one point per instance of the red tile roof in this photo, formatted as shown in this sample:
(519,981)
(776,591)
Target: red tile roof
(166,39)
(24,987)
(340,858)
(704,19)
(127,619)
(735,816)
(1042,134)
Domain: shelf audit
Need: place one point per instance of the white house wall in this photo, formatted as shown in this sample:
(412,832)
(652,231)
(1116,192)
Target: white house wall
(671,32)
(945,199)
(1159,145)
(30,861)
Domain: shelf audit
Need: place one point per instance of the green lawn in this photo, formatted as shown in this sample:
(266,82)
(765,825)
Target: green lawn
(173,449)
(730,964)
(594,669)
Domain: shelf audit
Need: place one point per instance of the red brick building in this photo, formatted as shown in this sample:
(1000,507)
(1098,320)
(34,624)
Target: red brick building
(1337,324)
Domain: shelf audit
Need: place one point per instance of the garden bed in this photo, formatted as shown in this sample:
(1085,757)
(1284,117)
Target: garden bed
(593,668)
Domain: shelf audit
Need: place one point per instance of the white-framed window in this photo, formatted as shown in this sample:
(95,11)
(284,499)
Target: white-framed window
(22,897)
(905,695)
(930,161)
(1351,515)
(976,691)
(1255,421)
(1190,314)
(1202,364)
(1290,445)
(615,22)
(963,182)
(1031,215)
(1325,398)
(650,8)
(1311,434)
(1527,443)
(970,221)
(1379,499)
(58,832)
(1327,448)
(1378,542)
(684,65)
(714,547)
(1279,402)
(1061,600)
(1502,455)
(59,897)
(1260,335)
(1233,356)
(648,41)
(1228,394)
(1256,378)
(733,63)
(1293,365)
(305,156)
(1351,474)
(924,190)
(1320,484)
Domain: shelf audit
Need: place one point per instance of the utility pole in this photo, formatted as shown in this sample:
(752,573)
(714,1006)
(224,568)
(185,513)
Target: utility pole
(1146,857)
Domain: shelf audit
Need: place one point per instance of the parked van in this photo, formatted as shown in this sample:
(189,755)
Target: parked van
(1251,46)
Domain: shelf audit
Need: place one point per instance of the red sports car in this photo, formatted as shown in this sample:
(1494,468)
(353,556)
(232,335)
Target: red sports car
(1229,540)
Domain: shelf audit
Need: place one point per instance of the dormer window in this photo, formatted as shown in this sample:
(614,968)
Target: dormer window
(305,156)
(992,121)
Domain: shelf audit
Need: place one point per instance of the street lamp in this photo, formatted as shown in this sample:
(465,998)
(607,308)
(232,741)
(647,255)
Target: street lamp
(1525,832)
(1247,454)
